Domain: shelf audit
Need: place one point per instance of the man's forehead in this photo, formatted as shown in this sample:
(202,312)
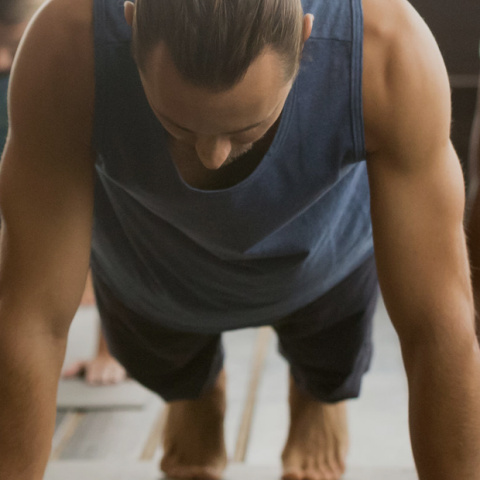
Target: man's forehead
(226,113)
(258,93)
(231,132)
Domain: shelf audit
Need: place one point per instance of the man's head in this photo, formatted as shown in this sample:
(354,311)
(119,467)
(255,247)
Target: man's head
(217,72)
(213,42)
(14,17)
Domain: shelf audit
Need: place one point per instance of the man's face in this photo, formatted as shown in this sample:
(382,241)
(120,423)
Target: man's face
(10,36)
(218,126)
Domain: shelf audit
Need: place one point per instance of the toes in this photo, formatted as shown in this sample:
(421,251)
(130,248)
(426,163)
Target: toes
(193,473)
(173,468)
(335,467)
(314,473)
(320,472)
(205,473)
(292,474)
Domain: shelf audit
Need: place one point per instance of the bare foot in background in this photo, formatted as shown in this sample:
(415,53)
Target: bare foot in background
(101,370)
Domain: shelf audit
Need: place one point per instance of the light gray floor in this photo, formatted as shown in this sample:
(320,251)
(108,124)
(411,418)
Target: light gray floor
(378,420)
(148,471)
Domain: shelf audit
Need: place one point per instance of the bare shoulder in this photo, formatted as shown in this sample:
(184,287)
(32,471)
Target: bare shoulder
(48,160)
(406,93)
(52,81)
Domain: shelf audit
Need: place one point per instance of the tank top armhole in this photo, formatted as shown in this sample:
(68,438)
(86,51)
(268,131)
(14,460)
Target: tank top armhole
(358,129)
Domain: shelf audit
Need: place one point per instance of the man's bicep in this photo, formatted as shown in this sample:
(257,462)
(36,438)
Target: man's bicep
(45,236)
(417,187)
(417,218)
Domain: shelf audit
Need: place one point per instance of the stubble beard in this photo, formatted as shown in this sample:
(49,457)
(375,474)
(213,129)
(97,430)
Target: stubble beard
(235,155)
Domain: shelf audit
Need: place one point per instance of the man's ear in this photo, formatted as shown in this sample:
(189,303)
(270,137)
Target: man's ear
(129,10)
(307,26)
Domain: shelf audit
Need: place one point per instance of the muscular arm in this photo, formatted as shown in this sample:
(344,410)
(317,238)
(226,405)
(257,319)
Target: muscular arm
(417,202)
(46,200)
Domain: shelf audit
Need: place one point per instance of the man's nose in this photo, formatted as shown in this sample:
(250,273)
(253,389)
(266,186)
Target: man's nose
(213,151)
(6,60)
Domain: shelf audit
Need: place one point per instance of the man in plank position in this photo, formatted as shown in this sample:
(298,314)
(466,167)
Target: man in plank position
(227,154)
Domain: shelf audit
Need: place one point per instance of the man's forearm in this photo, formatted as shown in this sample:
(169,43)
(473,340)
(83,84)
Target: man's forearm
(29,372)
(444,384)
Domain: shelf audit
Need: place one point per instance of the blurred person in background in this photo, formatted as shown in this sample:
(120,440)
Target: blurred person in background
(473,210)
(14,18)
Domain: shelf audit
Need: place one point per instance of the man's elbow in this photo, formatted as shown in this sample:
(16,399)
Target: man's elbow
(441,327)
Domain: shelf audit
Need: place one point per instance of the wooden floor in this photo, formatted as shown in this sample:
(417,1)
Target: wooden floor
(104,434)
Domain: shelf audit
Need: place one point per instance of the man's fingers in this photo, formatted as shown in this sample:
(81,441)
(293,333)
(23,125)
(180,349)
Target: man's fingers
(99,371)
(76,369)
(105,372)
(113,374)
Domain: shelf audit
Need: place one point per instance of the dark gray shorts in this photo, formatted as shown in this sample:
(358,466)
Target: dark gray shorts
(327,343)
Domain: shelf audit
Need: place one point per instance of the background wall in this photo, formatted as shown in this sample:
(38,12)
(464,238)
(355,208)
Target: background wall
(456,26)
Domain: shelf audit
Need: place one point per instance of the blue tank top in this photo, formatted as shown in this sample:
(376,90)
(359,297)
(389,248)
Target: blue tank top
(4,80)
(208,261)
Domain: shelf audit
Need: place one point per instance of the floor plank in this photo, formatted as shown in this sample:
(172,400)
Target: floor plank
(76,393)
(59,418)
(258,362)
(239,352)
(64,432)
(112,435)
(148,471)
(270,417)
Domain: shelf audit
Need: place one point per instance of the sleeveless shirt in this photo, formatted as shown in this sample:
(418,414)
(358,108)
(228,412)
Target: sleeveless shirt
(213,260)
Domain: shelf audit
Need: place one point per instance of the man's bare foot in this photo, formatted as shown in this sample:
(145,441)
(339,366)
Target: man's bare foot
(317,442)
(193,443)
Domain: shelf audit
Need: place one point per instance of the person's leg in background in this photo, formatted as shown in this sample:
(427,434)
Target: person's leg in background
(472,222)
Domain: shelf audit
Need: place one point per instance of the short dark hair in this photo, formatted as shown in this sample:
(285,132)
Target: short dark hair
(13,12)
(213,42)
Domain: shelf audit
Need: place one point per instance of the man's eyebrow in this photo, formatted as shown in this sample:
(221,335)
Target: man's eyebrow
(190,131)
